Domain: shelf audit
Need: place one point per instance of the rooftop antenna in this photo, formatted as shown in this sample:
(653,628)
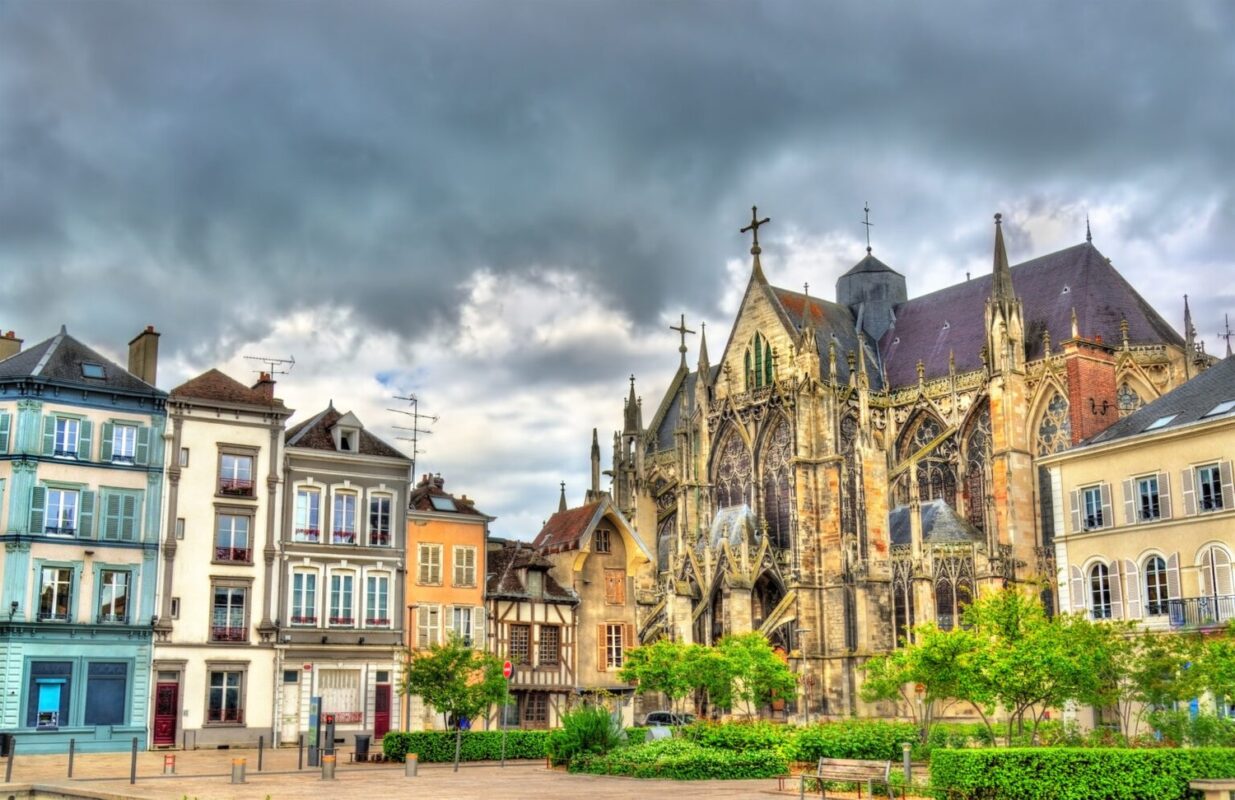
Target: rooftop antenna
(1227,334)
(415,430)
(274,366)
(866,208)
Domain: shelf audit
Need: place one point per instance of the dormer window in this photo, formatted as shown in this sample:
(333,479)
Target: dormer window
(346,433)
(347,441)
(535,582)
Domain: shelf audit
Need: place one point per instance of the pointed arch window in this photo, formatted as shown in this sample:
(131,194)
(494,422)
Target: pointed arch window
(732,473)
(902,600)
(664,540)
(953,585)
(1055,429)
(977,460)
(759,363)
(777,497)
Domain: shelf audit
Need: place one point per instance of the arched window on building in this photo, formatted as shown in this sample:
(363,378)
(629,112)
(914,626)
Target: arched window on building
(774,468)
(953,570)
(1217,587)
(977,462)
(1055,428)
(732,472)
(1157,594)
(664,541)
(1127,399)
(1100,591)
(759,363)
(936,469)
(902,600)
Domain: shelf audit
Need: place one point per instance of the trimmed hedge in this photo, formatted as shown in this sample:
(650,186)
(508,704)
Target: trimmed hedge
(739,735)
(854,738)
(1075,773)
(679,759)
(439,746)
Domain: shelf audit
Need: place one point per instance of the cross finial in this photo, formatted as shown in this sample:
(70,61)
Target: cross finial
(806,289)
(753,227)
(682,330)
(1227,335)
(1088,233)
(866,208)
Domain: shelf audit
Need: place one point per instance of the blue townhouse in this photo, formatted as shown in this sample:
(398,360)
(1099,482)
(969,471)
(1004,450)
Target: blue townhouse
(81,472)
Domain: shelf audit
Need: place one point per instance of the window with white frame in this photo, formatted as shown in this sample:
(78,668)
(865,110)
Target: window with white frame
(379,521)
(304,598)
(114,596)
(377,601)
(428,625)
(1209,488)
(228,621)
(343,523)
(235,475)
(464,565)
(1149,503)
(429,564)
(308,526)
(55,594)
(615,653)
(61,511)
(341,613)
(124,443)
(1156,594)
(231,539)
(1091,498)
(1100,591)
(461,624)
(67,433)
(225,700)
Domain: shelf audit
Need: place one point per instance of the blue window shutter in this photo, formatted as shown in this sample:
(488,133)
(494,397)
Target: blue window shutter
(6,421)
(49,435)
(129,514)
(141,453)
(38,505)
(107,431)
(85,515)
(110,528)
(84,440)
(106,698)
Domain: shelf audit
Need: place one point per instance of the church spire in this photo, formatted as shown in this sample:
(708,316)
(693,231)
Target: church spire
(595,464)
(1001,288)
(704,365)
(632,410)
(1088,233)
(755,249)
(561,502)
(682,330)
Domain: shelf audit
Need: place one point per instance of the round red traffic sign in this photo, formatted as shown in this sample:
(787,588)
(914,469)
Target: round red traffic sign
(507,670)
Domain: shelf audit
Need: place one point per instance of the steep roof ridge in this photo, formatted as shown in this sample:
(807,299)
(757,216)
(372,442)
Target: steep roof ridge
(55,343)
(297,433)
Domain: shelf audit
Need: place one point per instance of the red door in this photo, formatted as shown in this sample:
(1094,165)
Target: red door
(381,711)
(166,707)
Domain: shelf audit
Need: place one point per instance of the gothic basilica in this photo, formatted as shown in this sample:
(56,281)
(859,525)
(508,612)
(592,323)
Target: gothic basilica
(848,469)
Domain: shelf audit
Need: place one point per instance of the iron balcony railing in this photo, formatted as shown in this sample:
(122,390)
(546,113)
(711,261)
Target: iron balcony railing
(1201,612)
(228,633)
(113,618)
(236,487)
(307,535)
(241,554)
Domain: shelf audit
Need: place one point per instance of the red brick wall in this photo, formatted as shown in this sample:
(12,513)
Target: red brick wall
(1091,376)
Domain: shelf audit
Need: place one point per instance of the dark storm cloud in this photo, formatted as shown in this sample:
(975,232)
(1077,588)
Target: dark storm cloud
(212,166)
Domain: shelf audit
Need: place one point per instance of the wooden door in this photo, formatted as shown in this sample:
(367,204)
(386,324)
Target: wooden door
(166,710)
(381,712)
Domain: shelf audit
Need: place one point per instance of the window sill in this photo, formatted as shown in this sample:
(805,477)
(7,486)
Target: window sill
(224,725)
(229,562)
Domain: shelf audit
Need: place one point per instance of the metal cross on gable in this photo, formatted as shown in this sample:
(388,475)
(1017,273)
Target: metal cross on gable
(866,208)
(755,222)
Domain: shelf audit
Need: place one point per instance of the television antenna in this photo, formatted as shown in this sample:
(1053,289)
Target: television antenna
(274,366)
(414,429)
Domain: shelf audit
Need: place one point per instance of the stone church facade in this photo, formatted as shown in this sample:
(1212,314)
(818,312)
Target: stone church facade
(846,470)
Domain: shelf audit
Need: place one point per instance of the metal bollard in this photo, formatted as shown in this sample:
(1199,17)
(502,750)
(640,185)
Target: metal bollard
(8,765)
(300,752)
(328,768)
(238,770)
(261,745)
(169,764)
(410,764)
(908,765)
(72,750)
(133,764)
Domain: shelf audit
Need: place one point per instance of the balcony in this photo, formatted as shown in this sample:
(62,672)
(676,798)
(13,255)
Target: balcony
(307,535)
(1211,503)
(241,555)
(1192,613)
(228,633)
(236,487)
(64,452)
(343,537)
(111,618)
(235,715)
(119,458)
(1093,522)
(53,616)
(304,619)
(343,622)
(60,530)
(379,539)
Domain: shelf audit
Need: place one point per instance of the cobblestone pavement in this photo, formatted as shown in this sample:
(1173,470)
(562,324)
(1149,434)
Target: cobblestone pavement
(205,775)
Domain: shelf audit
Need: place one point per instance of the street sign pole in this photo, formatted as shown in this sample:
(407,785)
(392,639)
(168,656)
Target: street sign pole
(507,670)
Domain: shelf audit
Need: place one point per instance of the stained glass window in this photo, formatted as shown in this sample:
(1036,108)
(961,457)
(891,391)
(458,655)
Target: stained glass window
(977,456)
(1127,399)
(774,467)
(1055,430)
(733,473)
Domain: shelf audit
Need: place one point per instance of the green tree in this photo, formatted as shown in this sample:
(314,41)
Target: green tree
(760,675)
(456,680)
(1215,664)
(659,667)
(709,674)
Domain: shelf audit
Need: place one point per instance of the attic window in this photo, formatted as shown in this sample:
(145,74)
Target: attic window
(347,441)
(1160,422)
(92,370)
(1225,407)
(443,503)
(600,541)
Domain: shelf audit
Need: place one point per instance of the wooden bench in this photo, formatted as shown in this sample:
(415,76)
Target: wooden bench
(847,770)
(1215,788)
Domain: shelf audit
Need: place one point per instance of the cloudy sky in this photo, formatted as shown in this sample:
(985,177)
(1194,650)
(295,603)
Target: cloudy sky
(500,207)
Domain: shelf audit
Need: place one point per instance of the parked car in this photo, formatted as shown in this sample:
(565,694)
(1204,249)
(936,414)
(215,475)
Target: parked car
(658,718)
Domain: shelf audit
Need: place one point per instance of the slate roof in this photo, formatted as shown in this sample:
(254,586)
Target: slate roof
(832,321)
(503,565)
(940,525)
(1190,403)
(314,434)
(1048,287)
(564,529)
(669,423)
(59,360)
(869,264)
(215,385)
(421,499)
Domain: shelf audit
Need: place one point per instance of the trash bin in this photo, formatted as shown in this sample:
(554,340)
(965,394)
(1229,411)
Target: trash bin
(362,746)
(4,744)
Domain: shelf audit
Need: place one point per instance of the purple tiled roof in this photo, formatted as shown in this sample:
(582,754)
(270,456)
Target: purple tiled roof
(952,320)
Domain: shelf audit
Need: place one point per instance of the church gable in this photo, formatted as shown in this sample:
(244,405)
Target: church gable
(761,316)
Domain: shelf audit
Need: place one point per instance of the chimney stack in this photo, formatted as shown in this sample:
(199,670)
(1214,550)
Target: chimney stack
(10,345)
(265,385)
(144,355)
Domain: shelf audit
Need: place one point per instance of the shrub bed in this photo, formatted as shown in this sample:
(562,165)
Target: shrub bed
(439,746)
(1075,773)
(683,760)
(855,738)
(739,735)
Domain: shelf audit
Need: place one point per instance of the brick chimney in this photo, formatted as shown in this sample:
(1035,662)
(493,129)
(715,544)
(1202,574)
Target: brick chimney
(10,345)
(265,385)
(144,355)
(1093,406)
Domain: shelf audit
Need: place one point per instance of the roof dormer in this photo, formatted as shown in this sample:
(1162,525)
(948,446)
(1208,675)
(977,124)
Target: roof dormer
(346,433)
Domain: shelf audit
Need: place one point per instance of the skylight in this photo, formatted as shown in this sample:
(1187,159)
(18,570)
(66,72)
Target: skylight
(92,370)
(1160,422)
(443,503)
(1224,407)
